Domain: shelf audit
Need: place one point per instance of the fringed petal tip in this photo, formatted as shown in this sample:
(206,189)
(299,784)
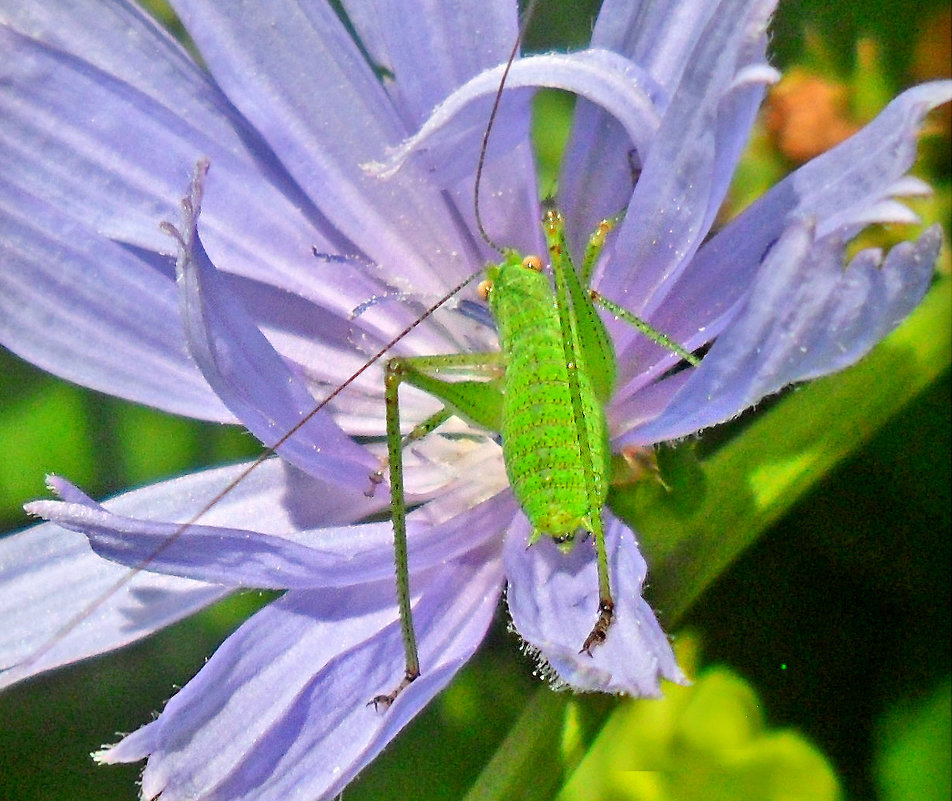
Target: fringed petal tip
(65,491)
(191,206)
(575,676)
(553,600)
(131,748)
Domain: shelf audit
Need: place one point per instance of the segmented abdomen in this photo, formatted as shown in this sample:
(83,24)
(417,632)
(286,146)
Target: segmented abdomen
(539,433)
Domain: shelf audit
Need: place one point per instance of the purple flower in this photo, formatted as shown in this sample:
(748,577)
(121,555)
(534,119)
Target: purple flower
(104,118)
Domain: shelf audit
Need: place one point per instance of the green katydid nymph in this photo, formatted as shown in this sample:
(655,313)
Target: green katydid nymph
(544,393)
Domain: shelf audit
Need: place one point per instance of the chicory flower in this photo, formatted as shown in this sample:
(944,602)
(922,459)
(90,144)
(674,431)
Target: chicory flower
(367,158)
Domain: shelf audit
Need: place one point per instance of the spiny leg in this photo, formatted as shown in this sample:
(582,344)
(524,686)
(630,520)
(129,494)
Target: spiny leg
(656,336)
(593,250)
(565,278)
(394,375)
(463,395)
(582,342)
(606,604)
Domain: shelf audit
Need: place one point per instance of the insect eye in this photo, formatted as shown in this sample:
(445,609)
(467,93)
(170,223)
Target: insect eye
(484,289)
(532,263)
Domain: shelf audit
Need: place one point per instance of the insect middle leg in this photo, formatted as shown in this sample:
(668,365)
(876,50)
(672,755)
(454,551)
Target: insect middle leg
(418,432)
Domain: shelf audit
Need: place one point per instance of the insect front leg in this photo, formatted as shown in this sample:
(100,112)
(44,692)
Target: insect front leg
(593,251)
(652,333)
(596,243)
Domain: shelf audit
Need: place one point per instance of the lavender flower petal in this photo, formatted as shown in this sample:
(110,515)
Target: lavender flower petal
(281,710)
(69,577)
(861,176)
(125,340)
(296,559)
(262,225)
(661,38)
(687,169)
(296,74)
(553,599)
(806,316)
(429,53)
(603,77)
(86,178)
(461,44)
(86,165)
(54,574)
(244,370)
(596,178)
(232,558)
(836,189)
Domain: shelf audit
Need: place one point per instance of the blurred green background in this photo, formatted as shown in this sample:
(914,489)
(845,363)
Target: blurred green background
(822,652)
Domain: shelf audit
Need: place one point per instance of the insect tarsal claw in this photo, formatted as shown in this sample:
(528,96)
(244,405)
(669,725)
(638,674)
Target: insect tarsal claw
(387,700)
(606,613)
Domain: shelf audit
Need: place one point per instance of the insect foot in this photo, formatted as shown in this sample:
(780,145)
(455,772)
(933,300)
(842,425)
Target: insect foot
(606,613)
(385,701)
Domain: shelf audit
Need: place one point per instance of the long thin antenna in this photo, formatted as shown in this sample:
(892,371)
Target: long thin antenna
(70,626)
(74,623)
(523,25)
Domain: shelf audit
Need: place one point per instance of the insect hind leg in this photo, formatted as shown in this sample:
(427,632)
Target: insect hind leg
(394,374)
(413,370)
(598,635)
(584,343)
(606,604)
(386,699)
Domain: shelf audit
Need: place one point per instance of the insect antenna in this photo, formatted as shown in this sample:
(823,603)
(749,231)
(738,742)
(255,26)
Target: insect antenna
(71,625)
(523,25)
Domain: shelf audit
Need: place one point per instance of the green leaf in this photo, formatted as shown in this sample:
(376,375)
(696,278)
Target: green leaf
(44,430)
(705,742)
(914,759)
(550,737)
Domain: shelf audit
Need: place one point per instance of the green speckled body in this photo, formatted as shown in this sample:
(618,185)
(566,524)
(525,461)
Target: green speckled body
(545,393)
(540,440)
